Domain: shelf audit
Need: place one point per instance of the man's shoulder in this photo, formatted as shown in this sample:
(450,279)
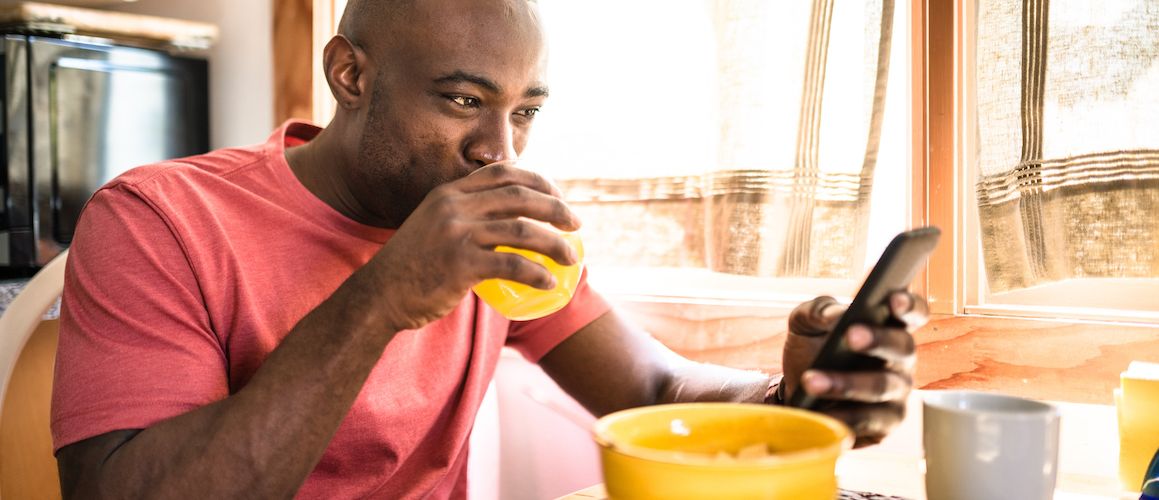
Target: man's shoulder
(213,166)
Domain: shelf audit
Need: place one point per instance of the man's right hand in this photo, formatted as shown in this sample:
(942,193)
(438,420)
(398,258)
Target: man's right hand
(447,245)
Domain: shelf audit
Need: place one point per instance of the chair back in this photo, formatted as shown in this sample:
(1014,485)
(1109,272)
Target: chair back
(27,355)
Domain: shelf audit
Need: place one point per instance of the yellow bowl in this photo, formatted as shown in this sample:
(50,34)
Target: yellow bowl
(675,452)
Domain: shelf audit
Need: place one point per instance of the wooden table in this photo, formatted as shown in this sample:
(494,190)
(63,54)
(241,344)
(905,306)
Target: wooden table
(1088,458)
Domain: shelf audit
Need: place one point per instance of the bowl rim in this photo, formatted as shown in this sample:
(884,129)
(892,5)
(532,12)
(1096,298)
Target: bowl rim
(601,427)
(961,402)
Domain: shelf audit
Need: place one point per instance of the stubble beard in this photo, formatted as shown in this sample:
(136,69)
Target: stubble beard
(393,179)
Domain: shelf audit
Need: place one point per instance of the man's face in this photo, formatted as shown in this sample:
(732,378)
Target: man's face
(456,87)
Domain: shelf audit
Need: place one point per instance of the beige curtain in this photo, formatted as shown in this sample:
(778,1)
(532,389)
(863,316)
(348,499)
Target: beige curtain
(1068,146)
(788,193)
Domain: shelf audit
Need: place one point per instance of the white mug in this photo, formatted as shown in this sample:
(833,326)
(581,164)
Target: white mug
(989,446)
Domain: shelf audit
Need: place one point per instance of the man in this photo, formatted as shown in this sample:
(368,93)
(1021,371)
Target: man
(294,318)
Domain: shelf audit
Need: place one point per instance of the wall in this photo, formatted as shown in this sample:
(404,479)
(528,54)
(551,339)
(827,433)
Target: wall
(546,449)
(240,63)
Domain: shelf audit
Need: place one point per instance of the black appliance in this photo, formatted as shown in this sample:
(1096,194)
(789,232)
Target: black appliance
(77,114)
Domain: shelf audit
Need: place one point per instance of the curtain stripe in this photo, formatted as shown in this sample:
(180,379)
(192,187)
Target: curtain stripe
(795,260)
(1045,175)
(1034,54)
(881,83)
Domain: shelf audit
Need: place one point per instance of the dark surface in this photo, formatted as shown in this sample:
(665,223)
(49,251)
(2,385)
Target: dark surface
(864,495)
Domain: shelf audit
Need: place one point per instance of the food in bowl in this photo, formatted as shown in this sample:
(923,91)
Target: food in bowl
(720,450)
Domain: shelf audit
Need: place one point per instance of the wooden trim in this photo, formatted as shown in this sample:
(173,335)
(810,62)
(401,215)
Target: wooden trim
(941,194)
(969,290)
(293,65)
(327,14)
(918,152)
(301,89)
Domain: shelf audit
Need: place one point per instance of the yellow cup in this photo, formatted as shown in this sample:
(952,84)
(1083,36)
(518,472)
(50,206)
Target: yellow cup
(1137,403)
(704,450)
(520,302)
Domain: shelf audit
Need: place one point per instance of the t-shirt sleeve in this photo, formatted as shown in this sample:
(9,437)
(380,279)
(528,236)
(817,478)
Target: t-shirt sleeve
(136,345)
(534,339)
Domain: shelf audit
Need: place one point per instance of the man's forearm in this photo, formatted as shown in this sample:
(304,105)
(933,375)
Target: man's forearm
(610,365)
(690,381)
(263,441)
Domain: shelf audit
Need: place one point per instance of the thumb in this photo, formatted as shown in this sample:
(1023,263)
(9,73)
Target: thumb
(815,317)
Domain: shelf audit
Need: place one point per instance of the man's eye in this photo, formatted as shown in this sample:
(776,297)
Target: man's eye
(530,112)
(464,101)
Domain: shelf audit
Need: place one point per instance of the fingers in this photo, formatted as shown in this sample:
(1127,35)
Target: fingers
(912,310)
(498,205)
(894,346)
(505,174)
(889,343)
(513,267)
(522,233)
(502,190)
(864,387)
(870,403)
(509,202)
(869,423)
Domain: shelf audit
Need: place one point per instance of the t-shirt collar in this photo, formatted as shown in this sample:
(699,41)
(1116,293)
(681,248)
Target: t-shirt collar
(295,133)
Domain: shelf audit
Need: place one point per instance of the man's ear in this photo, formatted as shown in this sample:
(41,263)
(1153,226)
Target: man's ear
(344,64)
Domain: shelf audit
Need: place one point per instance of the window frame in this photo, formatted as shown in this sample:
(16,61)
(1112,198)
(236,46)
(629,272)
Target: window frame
(947,31)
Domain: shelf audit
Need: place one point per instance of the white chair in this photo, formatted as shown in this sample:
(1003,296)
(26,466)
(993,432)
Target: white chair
(27,355)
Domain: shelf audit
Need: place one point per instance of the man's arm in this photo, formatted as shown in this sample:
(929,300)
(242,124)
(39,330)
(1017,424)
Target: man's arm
(610,365)
(263,441)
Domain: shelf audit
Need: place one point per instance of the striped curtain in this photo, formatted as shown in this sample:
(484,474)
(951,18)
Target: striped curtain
(787,194)
(1068,99)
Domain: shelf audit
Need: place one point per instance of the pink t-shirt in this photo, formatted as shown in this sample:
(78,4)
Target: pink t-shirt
(183,276)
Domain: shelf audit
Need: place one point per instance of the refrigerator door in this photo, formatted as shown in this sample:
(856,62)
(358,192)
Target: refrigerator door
(98,111)
(17,238)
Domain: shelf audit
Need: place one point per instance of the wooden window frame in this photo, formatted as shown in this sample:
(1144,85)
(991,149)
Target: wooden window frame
(293,27)
(300,88)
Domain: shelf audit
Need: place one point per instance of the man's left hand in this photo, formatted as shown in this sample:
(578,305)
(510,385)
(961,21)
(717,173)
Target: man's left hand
(871,403)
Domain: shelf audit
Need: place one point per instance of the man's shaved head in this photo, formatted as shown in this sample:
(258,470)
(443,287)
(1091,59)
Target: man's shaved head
(362,19)
(367,22)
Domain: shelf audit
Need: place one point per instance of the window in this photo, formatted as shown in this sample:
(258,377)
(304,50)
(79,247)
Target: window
(1057,172)
(729,150)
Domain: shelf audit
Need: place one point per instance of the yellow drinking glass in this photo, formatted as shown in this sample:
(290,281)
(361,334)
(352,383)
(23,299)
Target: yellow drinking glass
(520,302)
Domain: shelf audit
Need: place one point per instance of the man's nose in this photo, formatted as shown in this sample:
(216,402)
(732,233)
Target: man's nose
(493,142)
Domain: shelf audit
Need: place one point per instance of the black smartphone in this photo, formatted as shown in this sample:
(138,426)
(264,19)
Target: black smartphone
(901,260)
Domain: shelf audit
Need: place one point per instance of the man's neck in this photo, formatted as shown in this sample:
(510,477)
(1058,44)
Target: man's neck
(319,165)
